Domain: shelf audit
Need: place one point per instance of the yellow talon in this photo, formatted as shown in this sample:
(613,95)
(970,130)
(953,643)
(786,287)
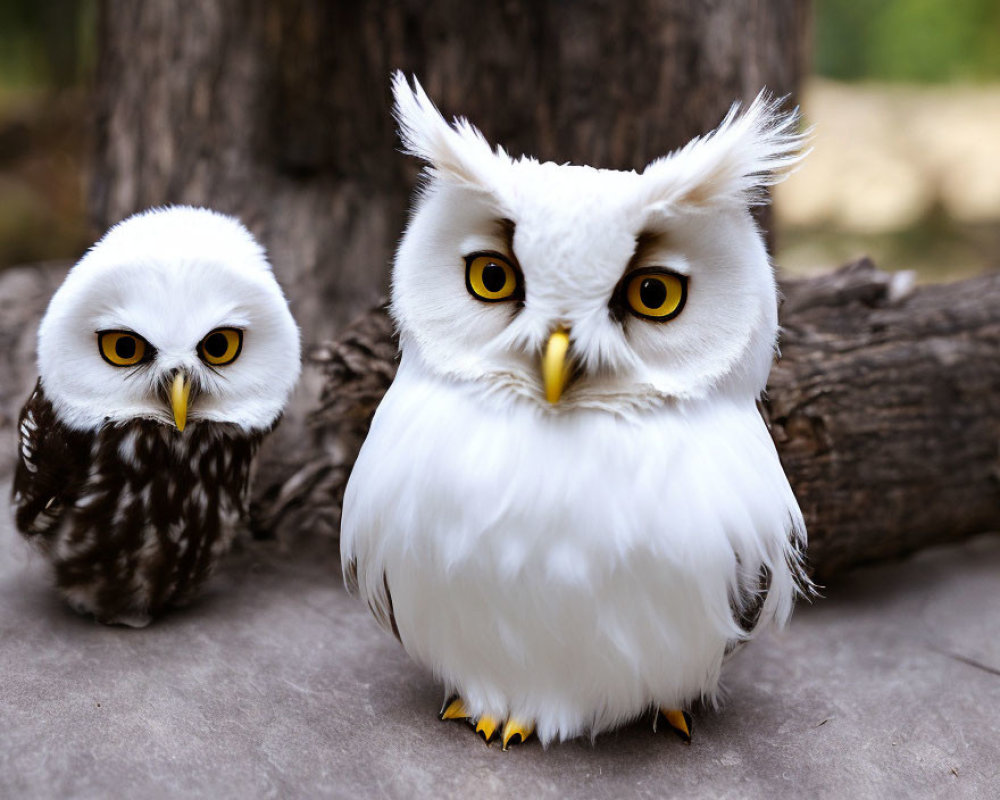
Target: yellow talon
(486,727)
(455,710)
(680,721)
(517,732)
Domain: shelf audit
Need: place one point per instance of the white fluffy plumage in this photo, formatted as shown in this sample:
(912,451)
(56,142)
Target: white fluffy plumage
(575,564)
(172,275)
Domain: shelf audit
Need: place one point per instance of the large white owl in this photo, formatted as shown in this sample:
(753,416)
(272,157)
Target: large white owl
(568,506)
(163,358)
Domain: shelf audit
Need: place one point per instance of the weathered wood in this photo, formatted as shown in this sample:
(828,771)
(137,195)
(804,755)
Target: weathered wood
(279,112)
(24,295)
(885,408)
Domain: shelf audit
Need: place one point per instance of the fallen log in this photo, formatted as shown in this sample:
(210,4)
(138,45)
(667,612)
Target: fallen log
(884,405)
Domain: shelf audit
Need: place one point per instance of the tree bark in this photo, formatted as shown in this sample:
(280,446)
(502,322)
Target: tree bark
(279,112)
(24,295)
(884,407)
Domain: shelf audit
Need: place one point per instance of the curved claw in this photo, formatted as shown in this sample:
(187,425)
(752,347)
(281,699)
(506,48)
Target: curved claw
(486,727)
(455,709)
(680,721)
(516,732)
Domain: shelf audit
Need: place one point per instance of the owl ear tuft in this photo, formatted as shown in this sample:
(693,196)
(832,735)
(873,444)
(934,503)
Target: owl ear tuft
(733,164)
(457,152)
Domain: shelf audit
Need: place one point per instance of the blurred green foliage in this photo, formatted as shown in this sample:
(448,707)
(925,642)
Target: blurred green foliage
(923,41)
(46,43)
(47,55)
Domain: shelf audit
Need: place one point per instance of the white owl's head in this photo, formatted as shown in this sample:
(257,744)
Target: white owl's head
(655,285)
(175,316)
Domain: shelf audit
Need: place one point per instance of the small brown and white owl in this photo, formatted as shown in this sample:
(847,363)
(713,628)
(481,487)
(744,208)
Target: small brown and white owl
(164,358)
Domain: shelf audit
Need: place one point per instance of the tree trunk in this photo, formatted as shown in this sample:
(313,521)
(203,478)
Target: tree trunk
(279,112)
(885,409)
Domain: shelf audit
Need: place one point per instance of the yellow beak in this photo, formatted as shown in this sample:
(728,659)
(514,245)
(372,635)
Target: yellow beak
(555,368)
(180,389)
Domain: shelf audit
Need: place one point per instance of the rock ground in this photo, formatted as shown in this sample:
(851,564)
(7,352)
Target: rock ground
(279,684)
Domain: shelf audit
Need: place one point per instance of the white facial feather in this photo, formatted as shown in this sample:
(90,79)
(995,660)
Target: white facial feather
(576,564)
(576,231)
(171,275)
(748,152)
(460,154)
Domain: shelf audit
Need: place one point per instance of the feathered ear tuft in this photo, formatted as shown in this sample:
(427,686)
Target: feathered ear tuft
(733,164)
(456,152)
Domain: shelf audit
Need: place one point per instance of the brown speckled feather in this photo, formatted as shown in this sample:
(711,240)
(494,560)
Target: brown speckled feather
(134,516)
(51,465)
(357,369)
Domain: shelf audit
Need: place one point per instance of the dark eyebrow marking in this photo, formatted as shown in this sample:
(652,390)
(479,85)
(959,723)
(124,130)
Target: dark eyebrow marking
(645,243)
(505,229)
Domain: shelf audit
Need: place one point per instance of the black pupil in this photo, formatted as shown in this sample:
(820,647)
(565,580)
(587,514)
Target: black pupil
(216,345)
(125,347)
(494,277)
(653,293)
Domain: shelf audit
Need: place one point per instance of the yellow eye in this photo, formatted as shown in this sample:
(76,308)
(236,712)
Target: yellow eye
(222,346)
(121,348)
(491,277)
(656,294)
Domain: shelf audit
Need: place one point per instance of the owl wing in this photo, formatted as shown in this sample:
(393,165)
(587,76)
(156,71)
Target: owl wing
(747,605)
(357,369)
(50,468)
(379,597)
(752,605)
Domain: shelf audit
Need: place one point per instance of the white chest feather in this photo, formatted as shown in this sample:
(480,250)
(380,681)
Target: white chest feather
(572,568)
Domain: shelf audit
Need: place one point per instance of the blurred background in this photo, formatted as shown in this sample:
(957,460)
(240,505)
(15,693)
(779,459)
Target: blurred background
(904,96)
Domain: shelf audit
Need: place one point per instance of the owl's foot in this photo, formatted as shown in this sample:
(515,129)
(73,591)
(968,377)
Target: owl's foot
(486,726)
(515,731)
(455,709)
(679,721)
(135,619)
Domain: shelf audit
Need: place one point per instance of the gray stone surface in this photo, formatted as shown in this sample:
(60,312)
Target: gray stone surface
(278,684)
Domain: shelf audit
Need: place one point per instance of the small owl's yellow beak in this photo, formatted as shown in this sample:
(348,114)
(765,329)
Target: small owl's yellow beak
(180,390)
(555,367)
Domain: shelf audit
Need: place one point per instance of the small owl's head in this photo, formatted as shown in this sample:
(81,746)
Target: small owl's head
(174,316)
(591,287)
